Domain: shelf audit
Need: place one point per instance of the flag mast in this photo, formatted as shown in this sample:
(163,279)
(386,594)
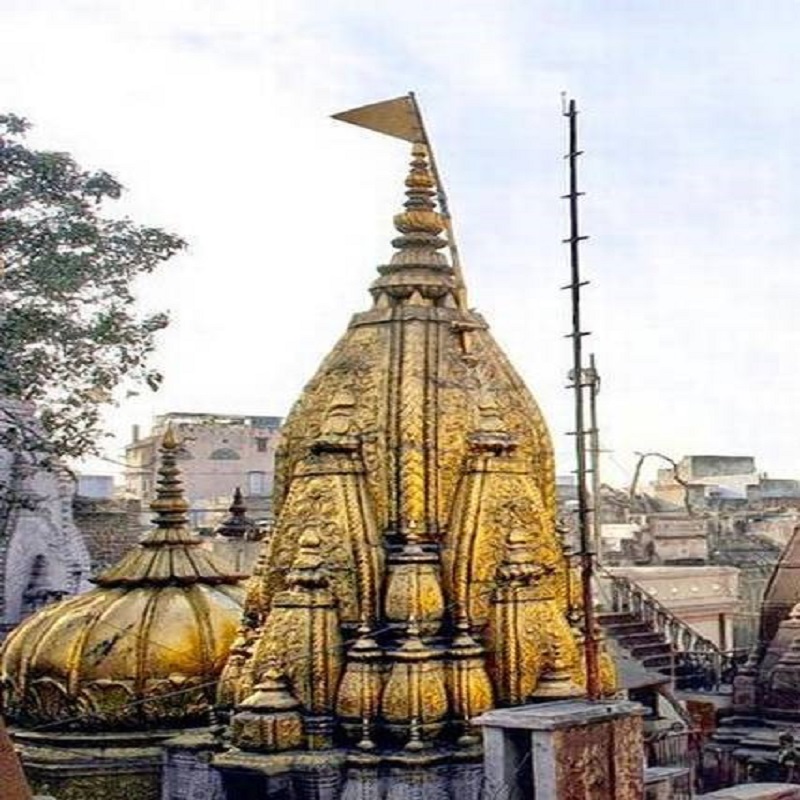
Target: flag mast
(444,206)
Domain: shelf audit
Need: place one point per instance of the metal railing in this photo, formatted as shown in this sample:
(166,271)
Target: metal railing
(698,661)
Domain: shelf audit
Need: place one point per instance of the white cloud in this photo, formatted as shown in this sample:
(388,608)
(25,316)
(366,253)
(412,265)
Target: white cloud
(215,117)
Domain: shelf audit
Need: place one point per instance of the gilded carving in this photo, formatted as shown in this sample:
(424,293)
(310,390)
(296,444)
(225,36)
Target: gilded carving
(360,689)
(468,683)
(413,588)
(302,631)
(415,690)
(423,467)
(137,649)
(269,719)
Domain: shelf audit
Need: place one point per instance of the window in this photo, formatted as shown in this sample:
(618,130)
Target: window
(256,483)
(225,454)
(261,444)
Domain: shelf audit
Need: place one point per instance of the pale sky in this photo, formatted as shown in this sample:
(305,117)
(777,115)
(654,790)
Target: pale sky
(215,117)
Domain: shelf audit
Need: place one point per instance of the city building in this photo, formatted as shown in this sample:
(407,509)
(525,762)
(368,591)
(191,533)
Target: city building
(219,453)
(757,738)
(706,481)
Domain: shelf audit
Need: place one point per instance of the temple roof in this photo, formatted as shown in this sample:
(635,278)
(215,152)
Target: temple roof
(160,621)
(418,367)
(422,468)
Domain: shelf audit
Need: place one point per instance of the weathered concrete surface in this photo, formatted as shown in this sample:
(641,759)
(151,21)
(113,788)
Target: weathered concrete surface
(756,791)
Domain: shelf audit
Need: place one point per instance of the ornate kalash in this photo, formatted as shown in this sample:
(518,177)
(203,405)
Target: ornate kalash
(94,685)
(414,578)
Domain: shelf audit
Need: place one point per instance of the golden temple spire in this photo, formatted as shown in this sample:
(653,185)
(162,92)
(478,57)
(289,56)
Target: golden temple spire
(169,553)
(170,505)
(418,273)
(401,117)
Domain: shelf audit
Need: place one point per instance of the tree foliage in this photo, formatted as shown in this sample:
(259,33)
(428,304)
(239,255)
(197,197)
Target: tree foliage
(69,331)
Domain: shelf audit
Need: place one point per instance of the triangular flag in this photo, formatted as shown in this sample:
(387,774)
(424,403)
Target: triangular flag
(398,117)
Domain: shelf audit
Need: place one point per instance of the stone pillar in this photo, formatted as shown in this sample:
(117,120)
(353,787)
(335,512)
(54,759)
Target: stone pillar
(572,749)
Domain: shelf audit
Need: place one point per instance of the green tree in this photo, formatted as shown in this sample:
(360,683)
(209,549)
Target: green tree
(69,330)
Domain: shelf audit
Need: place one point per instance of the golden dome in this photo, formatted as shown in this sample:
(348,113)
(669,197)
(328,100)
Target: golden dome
(144,648)
(422,466)
(425,381)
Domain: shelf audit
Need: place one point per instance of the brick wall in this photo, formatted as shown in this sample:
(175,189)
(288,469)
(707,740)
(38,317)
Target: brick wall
(110,528)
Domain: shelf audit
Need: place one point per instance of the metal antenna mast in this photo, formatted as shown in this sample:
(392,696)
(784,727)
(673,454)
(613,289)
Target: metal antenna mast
(592,378)
(578,384)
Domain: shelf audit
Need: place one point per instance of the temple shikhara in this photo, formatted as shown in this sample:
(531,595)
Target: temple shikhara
(413,581)
(414,578)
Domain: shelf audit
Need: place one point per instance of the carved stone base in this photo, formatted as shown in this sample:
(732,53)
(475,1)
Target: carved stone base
(99,766)
(571,750)
(339,775)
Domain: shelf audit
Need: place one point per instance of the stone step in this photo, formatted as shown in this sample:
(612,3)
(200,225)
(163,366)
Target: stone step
(648,650)
(646,637)
(616,617)
(627,629)
(659,662)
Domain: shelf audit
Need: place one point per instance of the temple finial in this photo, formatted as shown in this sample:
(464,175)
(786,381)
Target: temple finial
(420,223)
(418,273)
(237,525)
(170,505)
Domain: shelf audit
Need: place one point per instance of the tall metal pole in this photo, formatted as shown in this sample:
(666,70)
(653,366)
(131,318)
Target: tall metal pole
(593,381)
(578,385)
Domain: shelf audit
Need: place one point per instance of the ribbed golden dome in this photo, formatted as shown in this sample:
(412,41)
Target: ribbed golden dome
(424,378)
(421,468)
(144,648)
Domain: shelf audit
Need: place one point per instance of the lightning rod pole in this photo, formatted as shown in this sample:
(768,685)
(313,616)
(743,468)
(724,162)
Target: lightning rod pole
(578,384)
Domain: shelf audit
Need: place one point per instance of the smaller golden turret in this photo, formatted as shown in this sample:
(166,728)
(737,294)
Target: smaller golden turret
(517,664)
(358,700)
(413,586)
(556,682)
(144,648)
(304,636)
(414,702)
(269,720)
(468,682)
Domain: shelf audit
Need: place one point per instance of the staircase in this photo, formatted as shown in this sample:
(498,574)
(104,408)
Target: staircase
(638,637)
(659,640)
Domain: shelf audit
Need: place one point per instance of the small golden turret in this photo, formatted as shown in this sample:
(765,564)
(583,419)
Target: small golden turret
(269,720)
(413,587)
(414,702)
(304,636)
(358,699)
(556,682)
(468,682)
(144,648)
